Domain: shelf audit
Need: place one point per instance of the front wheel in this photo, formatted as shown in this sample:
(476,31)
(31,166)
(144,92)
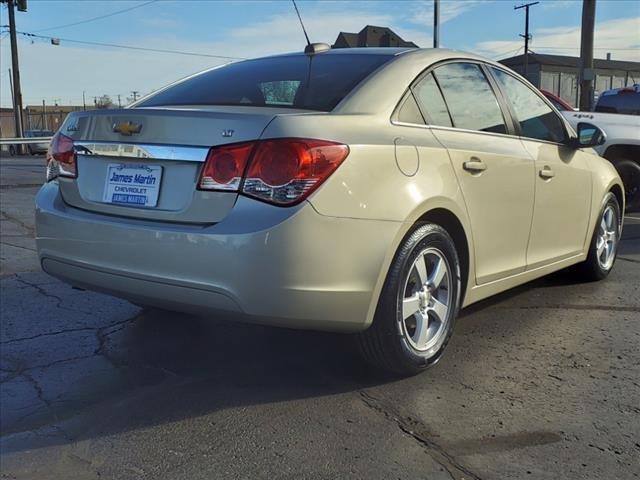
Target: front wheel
(417,306)
(604,243)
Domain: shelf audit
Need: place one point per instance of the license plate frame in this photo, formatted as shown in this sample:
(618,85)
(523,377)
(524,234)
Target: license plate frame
(132,185)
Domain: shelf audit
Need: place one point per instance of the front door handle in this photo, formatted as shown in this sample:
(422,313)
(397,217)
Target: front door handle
(474,165)
(547,173)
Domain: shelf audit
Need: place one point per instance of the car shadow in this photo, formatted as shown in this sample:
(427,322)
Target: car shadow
(160,367)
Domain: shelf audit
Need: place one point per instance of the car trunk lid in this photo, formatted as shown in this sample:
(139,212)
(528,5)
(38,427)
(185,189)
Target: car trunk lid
(145,145)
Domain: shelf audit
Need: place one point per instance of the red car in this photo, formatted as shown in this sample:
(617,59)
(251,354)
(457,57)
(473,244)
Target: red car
(559,103)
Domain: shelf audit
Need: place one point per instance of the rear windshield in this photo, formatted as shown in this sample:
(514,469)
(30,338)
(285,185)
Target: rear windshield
(317,82)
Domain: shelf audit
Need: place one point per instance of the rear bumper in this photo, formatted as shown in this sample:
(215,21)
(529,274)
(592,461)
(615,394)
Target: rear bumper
(279,266)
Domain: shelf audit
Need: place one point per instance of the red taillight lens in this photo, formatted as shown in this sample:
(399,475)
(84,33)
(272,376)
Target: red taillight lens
(61,157)
(225,166)
(285,171)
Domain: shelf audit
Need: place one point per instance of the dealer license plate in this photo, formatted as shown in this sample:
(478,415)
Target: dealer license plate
(133,185)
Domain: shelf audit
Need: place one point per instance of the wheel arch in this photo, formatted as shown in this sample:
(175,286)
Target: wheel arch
(452,224)
(618,192)
(449,216)
(622,151)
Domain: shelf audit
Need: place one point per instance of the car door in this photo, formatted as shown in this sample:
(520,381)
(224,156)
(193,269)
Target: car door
(562,179)
(494,170)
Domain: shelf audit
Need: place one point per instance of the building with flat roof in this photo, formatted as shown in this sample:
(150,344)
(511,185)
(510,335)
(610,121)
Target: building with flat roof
(559,74)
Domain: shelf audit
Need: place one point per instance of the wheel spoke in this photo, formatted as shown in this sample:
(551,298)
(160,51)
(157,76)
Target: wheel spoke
(438,273)
(410,306)
(439,310)
(608,217)
(421,268)
(603,224)
(601,244)
(422,331)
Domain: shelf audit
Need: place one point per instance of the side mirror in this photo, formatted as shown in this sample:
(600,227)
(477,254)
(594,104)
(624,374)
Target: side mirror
(588,136)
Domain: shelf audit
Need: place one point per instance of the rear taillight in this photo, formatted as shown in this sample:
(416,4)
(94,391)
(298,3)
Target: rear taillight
(285,171)
(225,166)
(61,157)
(280,171)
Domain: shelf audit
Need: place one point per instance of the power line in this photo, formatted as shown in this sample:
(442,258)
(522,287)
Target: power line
(578,48)
(510,52)
(96,18)
(130,47)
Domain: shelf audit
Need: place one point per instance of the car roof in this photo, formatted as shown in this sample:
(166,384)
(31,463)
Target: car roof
(381,91)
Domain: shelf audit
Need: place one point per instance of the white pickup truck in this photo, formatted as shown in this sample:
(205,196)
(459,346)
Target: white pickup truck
(622,147)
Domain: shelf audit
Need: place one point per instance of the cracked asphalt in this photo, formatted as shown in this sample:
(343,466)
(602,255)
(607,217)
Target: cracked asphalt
(542,382)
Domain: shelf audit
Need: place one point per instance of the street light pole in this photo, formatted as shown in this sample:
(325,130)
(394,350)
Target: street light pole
(17,92)
(526,35)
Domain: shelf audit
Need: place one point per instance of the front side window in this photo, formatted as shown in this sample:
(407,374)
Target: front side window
(471,101)
(536,119)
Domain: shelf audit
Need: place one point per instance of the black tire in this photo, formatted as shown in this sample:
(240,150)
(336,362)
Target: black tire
(592,269)
(384,344)
(629,171)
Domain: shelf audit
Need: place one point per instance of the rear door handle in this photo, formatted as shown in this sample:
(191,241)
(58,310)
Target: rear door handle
(547,173)
(474,165)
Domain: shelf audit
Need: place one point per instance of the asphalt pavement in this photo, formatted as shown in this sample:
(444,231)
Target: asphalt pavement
(542,382)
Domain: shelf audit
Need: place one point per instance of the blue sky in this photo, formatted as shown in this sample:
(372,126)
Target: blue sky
(252,28)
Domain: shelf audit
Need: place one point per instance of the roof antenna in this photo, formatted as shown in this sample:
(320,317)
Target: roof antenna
(311,48)
(301,24)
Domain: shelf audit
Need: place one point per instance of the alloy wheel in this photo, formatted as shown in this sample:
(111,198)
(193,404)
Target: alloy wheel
(607,240)
(426,301)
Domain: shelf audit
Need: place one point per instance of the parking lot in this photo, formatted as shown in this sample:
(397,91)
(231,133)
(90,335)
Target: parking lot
(541,382)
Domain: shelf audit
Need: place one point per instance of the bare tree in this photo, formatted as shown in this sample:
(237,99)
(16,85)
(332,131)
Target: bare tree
(104,102)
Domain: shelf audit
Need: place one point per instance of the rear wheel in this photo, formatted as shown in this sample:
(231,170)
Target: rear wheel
(604,243)
(418,304)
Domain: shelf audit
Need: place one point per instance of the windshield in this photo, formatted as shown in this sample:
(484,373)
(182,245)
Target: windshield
(299,81)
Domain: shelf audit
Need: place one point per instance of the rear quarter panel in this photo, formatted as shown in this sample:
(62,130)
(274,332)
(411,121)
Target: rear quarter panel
(379,180)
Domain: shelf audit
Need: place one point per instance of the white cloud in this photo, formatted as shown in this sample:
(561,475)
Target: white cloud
(619,36)
(557,4)
(449,9)
(63,72)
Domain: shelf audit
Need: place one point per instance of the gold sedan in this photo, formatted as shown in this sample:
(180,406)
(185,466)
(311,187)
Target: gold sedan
(375,191)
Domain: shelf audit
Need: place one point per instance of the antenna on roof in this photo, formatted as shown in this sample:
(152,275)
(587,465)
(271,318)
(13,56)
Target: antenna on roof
(301,24)
(311,48)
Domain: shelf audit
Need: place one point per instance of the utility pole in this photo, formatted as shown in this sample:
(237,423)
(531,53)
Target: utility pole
(84,102)
(436,23)
(134,94)
(586,54)
(526,35)
(17,92)
(119,102)
(44,118)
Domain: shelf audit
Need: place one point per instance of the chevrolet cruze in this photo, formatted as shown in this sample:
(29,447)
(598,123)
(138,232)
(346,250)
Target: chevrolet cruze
(375,191)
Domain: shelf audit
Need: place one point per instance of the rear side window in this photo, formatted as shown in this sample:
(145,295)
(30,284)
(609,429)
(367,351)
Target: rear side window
(471,101)
(431,101)
(409,111)
(316,82)
(537,120)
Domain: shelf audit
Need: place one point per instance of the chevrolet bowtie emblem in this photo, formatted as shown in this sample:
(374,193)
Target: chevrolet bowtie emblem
(127,128)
